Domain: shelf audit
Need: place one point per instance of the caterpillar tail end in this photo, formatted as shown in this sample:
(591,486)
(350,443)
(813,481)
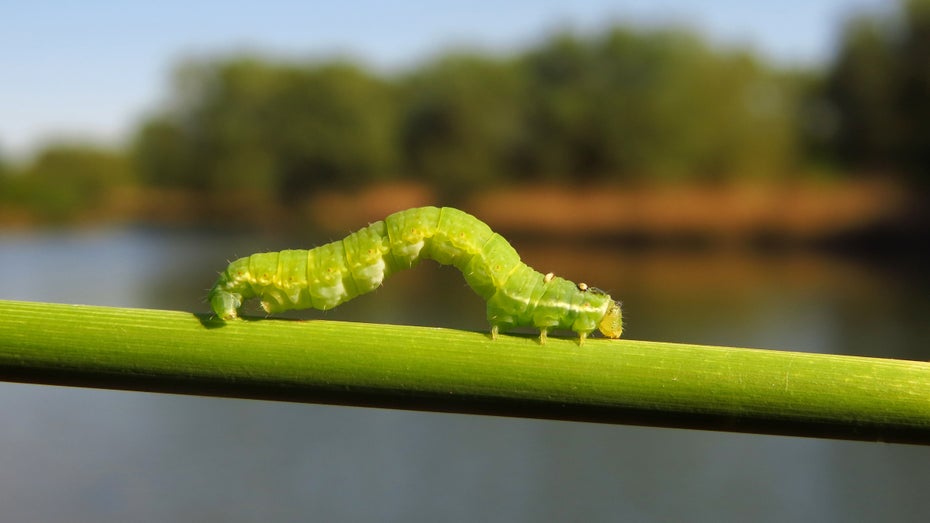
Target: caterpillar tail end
(611,325)
(225,304)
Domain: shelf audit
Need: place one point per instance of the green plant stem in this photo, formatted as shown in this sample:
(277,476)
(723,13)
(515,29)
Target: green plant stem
(613,381)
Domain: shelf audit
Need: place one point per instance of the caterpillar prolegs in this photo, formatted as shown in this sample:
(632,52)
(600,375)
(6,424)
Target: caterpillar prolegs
(334,273)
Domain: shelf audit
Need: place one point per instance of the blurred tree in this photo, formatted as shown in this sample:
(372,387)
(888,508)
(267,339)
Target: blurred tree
(65,180)
(335,126)
(862,87)
(163,155)
(7,182)
(561,108)
(461,121)
(557,112)
(659,103)
(273,130)
(914,102)
(879,87)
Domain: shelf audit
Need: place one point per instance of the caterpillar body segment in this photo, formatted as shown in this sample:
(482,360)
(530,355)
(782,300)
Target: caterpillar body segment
(324,277)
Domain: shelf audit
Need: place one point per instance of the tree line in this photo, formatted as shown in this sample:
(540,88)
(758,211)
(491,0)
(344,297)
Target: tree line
(617,106)
(611,107)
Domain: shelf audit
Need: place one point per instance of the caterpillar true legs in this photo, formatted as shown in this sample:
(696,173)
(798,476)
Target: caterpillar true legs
(334,273)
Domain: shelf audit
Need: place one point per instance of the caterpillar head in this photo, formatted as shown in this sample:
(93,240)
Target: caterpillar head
(611,325)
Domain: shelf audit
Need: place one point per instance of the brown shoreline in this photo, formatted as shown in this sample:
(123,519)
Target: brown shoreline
(797,211)
(801,212)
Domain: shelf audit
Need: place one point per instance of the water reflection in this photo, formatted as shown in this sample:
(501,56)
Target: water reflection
(88,455)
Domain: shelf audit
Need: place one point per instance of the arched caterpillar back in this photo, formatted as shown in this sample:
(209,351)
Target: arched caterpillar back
(334,273)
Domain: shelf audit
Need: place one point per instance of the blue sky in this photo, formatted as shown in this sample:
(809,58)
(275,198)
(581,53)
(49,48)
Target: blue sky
(90,70)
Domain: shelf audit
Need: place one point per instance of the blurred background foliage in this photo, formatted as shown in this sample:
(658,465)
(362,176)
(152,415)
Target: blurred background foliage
(619,106)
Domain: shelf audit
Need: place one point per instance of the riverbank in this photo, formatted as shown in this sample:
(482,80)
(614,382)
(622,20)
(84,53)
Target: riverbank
(796,212)
(736,213)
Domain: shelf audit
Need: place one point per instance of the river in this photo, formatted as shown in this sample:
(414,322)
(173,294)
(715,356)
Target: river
(69,454)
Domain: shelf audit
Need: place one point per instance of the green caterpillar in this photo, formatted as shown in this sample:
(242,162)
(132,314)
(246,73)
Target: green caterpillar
(334,273)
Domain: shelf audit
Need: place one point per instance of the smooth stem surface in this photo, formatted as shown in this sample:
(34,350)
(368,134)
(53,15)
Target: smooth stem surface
(615,381)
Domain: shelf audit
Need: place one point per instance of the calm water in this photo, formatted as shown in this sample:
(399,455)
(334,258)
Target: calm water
(87,455)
